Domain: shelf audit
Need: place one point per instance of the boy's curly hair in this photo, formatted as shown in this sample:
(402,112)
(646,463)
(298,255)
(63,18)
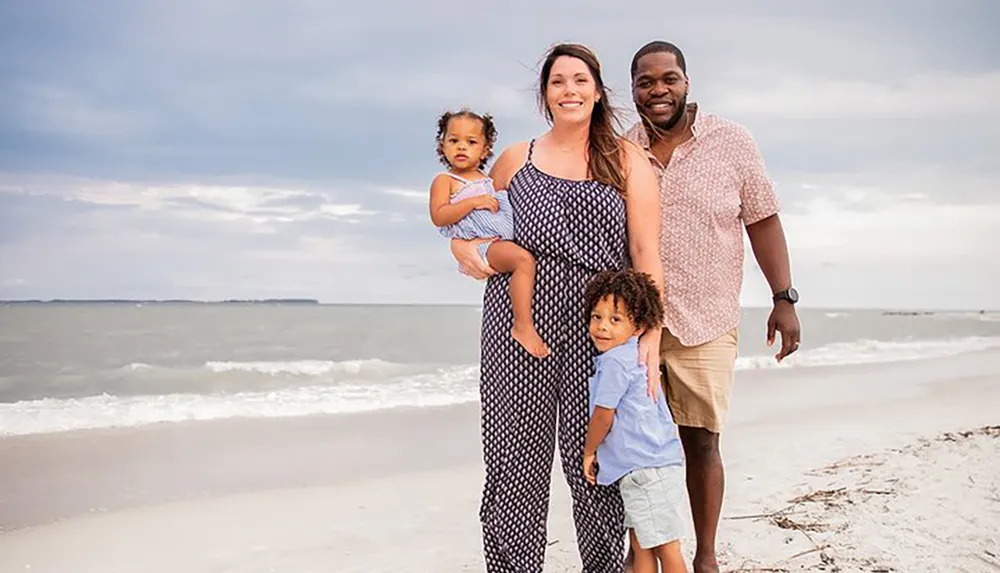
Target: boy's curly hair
(635,290)
(489,132)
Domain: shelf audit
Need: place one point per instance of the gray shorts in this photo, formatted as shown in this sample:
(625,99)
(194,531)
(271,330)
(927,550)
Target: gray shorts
(652,499)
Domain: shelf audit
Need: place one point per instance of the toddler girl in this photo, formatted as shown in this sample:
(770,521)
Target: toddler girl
(464,205)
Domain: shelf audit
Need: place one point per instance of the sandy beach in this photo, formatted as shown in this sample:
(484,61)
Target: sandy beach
(875,468)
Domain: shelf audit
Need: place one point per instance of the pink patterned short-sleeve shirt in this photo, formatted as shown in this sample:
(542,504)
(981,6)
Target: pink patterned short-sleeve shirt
(714,185)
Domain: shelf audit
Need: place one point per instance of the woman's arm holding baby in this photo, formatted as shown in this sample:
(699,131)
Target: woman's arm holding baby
(467,252)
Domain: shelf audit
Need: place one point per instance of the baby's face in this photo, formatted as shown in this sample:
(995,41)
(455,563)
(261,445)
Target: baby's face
(610,324)
(464,143)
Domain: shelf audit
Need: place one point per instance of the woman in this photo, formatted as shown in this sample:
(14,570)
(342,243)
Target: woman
(584,200)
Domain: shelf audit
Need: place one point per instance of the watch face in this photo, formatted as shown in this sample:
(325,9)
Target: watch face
(793,295)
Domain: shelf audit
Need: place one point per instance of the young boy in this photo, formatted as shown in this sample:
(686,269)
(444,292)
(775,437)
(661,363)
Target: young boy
(631,437)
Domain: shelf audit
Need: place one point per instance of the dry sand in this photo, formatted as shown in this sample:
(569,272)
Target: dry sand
(888,467)
(933,505)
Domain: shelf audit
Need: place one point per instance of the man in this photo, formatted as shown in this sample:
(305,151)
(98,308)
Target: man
(712,184)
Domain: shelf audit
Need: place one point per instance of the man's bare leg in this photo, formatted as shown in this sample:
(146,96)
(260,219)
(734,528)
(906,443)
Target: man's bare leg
(508,257)
(706,485)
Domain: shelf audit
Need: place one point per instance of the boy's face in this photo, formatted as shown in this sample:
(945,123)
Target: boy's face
(610,325)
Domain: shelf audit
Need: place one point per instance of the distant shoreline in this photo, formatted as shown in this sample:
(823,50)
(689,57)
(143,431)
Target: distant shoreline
(901,312)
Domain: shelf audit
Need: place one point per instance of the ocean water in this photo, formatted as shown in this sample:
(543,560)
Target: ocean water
(95,365)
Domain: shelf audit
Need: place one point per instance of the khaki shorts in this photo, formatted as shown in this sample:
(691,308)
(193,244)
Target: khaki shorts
(698,380)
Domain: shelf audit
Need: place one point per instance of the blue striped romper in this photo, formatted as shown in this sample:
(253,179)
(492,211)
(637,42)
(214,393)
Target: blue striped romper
(481,223)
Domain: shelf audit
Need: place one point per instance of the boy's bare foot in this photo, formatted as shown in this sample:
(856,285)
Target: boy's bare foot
(527,336)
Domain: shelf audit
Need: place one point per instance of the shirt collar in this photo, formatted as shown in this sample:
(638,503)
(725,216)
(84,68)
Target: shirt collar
(640,136)
(629,347)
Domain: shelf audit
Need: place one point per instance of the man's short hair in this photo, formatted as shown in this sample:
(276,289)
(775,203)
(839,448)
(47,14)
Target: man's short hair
(658,47)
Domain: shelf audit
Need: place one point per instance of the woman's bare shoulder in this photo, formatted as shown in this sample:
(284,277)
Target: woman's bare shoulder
(633,155)
(512,158)
(632,151)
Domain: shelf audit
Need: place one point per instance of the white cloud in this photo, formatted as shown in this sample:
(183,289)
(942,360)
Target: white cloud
(896,252)
(922,96)
(344,210)
(879,187)
(408,194)
(901,232)
(850,246)
(255,204)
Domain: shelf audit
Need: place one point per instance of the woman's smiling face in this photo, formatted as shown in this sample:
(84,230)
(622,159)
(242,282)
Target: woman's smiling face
(571,91)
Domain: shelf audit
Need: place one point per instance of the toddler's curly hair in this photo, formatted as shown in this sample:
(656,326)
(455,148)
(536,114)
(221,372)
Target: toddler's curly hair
(635,290)
(489,132)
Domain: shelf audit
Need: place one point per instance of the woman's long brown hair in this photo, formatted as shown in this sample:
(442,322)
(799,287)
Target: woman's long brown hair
(604,150)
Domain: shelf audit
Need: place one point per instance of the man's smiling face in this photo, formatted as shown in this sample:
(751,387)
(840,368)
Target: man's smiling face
(660,89)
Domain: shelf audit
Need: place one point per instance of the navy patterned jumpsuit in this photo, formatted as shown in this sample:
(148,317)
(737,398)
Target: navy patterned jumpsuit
(574,229)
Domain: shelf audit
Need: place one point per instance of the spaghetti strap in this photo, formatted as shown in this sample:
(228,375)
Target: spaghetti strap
(465,181)
(531,148)
(455,177)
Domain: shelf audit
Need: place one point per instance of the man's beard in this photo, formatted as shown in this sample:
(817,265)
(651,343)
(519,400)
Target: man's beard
(672,121)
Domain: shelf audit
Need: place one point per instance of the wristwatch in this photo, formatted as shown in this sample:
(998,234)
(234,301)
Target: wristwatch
(789,294)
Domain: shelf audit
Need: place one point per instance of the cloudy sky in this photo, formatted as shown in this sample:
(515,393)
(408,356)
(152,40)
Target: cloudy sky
(243,148)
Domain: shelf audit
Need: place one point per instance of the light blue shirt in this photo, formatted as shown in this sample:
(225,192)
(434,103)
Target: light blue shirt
(643,434)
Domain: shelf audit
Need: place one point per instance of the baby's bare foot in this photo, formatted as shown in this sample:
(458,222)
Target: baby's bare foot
(527,336)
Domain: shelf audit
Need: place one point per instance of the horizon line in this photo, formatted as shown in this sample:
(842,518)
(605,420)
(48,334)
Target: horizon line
(317,302)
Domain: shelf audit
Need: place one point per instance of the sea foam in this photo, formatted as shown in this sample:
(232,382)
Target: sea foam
(338,387)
